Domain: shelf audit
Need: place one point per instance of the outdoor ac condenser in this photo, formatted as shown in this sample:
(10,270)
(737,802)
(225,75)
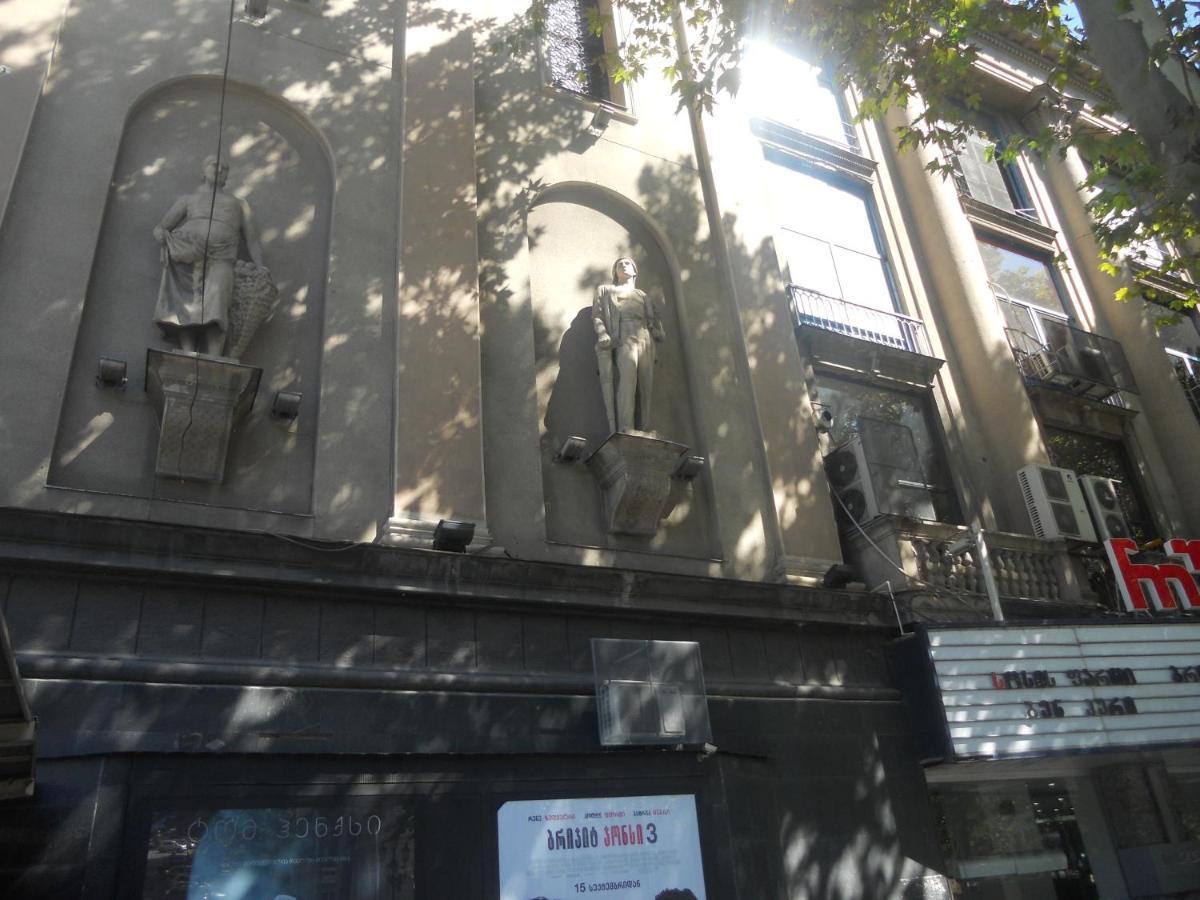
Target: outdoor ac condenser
(878,472)
(1105,507)
(1055,503)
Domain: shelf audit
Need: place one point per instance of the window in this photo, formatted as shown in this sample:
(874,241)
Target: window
(1087,454)
(989,180)
(1187,370)
(1026,290)
(1012,839)
(1181,338)
(790,91)
(828,239)
(575,54)
(847,403)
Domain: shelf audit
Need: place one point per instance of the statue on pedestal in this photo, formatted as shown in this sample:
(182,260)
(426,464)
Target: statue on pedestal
(627,325)
(208,300)
(210,303)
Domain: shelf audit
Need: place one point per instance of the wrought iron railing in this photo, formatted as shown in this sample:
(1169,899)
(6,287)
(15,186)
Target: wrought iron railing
(816,310)
(1049,351)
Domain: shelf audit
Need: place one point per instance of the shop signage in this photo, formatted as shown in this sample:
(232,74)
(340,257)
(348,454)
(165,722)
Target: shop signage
(1013,691)
(1165,587)
(633,848)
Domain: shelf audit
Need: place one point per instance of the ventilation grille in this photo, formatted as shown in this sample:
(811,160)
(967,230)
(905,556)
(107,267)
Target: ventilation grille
(1031,504)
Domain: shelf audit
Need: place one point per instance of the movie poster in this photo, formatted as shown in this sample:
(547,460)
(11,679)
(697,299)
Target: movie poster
(616,848)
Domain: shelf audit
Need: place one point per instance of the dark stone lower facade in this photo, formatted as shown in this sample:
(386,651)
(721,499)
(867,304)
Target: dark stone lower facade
(161,692)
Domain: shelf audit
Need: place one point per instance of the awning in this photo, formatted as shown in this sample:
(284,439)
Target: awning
(17,726)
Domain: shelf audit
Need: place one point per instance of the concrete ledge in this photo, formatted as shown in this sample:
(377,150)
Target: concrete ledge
(208,557)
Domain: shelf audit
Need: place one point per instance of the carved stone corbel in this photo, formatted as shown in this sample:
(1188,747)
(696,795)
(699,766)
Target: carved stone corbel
(634,473)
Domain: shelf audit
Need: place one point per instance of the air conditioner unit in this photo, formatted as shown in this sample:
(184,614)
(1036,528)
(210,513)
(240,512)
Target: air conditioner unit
(1055,503)
(849,476)
(1081,367)
(878,472)
(1105,507)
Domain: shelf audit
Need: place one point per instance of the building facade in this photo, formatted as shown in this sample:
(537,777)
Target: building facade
(311,612)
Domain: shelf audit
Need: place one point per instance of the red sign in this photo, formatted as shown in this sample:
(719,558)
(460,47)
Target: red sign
(1163,586)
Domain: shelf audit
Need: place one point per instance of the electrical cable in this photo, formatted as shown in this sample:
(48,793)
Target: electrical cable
(212,206)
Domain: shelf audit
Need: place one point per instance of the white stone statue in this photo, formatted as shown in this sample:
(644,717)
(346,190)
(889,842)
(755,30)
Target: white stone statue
(208,300)
(627,327)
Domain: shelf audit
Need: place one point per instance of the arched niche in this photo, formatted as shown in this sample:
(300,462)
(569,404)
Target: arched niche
(575,232)
(279,164)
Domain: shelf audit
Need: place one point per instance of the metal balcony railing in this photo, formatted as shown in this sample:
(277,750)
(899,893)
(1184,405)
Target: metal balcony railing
(816,310)
(1051,352)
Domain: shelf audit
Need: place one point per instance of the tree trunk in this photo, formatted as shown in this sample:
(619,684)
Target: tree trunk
(1163,115)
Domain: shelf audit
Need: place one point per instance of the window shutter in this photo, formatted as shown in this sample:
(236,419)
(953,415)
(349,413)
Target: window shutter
(982,178)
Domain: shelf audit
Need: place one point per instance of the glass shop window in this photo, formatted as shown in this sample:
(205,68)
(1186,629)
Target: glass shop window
(578,34)
(357,849)
(1012,840)
(843,405)
(1184,796)
(1091,455)
(828,236)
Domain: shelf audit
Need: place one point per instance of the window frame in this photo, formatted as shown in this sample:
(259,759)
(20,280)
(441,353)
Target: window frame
(1190,366)
(851,185)
(1011,174)
(925,400)
(1001,295)
(620,94)
(850,142)
(1133,491)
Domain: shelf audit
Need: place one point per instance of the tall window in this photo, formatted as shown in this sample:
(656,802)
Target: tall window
(828,238)
(1026,289)
(574,52)
(786,89)
(848,403)
(1187,370)
(1181,338)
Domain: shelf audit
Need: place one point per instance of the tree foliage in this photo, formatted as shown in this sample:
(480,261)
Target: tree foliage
(925,55)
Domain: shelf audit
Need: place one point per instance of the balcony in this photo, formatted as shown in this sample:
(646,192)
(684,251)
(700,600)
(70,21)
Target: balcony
(873,342)
(1051,353)
(857,321)
(1026,568)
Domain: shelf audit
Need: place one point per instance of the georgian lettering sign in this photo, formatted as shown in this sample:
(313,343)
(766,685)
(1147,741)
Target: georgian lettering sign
(1014,691)
(1165,587)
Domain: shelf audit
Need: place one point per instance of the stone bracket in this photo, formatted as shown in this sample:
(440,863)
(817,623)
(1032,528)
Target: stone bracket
(199,400)
(634,474)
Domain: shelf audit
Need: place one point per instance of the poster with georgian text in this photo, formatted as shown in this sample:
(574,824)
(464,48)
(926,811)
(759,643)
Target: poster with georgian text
(610,848)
